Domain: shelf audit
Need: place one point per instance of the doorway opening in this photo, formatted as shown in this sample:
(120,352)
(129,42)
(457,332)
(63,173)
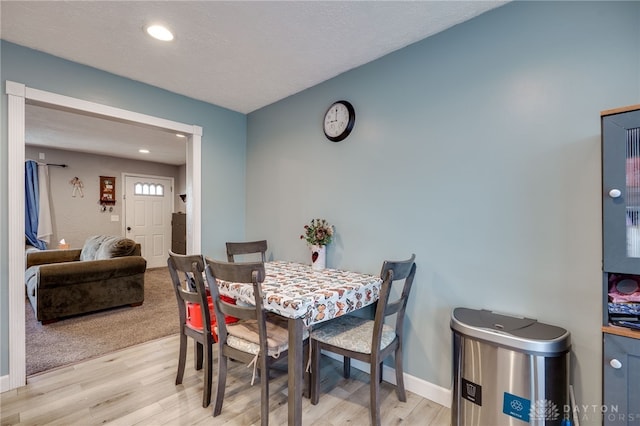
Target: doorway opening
(17,96)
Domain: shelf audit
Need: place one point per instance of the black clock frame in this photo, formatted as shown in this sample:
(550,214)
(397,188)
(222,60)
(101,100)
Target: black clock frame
(347,130)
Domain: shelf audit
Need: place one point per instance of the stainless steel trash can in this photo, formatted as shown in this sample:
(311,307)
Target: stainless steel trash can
(508,370)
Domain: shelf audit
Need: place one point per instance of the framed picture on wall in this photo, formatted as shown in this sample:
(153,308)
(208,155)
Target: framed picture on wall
(107,190)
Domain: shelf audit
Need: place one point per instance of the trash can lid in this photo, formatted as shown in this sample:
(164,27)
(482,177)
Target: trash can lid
(524,334)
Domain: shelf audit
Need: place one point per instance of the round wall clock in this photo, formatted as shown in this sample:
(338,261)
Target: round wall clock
(339,120)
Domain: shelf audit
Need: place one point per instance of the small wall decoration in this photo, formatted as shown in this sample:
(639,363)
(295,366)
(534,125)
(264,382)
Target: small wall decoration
(107,190)
(77,187)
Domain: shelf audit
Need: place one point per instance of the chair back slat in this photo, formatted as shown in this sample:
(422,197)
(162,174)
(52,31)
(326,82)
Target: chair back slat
(249,273)
(237,311)
(189,296)
(242,272)
(349,336)
(189,287)
(399,270)
(394,272)
(188,283)
(244,248)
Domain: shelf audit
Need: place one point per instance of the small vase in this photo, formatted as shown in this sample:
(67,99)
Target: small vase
(318,257)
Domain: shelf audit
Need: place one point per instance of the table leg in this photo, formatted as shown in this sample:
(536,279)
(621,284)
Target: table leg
(296,371)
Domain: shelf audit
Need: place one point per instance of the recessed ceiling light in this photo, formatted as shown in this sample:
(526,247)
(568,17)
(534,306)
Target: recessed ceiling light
(159,32)
(143,151)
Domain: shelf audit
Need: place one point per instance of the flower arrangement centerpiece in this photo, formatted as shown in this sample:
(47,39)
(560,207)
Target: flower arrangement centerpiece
(318,234)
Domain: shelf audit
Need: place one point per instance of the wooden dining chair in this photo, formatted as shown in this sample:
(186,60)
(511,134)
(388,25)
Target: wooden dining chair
(370,341)
(254,338)
(188,282)
(245,248)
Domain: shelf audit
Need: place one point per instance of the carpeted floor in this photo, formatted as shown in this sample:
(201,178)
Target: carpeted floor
(87,336)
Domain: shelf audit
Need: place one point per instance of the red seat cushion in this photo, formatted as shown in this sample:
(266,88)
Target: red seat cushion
(194,315)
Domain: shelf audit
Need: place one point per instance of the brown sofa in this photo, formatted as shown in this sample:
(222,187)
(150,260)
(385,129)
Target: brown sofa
(107,272)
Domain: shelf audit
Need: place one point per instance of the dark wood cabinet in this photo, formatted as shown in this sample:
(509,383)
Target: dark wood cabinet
(179,233)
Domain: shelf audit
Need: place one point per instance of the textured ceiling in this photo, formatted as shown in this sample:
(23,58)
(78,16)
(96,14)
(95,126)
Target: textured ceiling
(47,127)
(240,55)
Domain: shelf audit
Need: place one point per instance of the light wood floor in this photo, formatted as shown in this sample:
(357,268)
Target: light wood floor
(135,386)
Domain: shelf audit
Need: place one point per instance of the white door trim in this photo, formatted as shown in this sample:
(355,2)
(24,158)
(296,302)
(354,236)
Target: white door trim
(18,94)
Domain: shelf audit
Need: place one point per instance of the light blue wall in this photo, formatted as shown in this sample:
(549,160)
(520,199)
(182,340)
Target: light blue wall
(223,143)
(478,149)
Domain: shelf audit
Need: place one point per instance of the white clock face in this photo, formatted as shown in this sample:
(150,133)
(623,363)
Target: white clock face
(336,120)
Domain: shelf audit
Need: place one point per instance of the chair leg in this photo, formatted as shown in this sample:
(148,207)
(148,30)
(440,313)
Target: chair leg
(307,375)
(197,350)
(374,404)
(221,383)
(346,367)
(264,392)
(182,358)
(315,372)
(208,375)
(402,395)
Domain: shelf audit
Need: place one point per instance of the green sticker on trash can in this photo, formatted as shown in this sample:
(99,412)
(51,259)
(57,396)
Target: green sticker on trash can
(516,406)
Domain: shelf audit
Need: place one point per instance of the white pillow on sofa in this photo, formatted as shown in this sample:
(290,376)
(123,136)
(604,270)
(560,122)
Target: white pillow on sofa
(91,246)
(106,247)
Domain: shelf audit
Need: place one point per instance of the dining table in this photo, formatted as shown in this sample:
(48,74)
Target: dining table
(306,297)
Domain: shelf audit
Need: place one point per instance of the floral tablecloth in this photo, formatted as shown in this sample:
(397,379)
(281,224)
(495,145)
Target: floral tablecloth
(294,290)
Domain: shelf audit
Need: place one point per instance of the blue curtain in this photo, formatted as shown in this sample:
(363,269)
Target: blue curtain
(31,205)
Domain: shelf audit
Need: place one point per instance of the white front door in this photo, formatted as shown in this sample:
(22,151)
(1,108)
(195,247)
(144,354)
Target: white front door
(148,203)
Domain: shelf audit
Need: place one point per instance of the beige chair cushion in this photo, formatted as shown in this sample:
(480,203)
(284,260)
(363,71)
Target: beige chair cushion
(243,335)
(352,333)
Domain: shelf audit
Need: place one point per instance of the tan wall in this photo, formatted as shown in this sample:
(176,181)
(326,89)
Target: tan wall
(76,218)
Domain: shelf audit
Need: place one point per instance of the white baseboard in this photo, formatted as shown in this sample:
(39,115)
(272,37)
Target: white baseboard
(4,383)
(413,384)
